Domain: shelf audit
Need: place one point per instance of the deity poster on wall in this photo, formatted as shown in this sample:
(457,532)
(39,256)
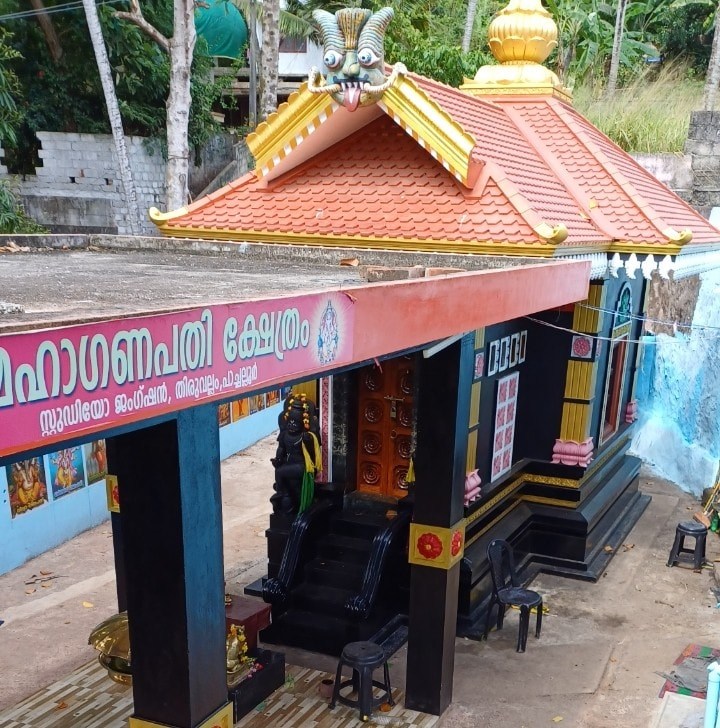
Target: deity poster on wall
(479,364)
(257,403)
(224,414)
(239,408)
(67,471)
(272,398)
(27,485)
(95,461)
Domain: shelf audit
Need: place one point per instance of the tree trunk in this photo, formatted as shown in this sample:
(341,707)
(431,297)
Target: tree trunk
(469,24)
(93,21)
(616,49)
(182,46)
(253,52)
(713,73)
(269,57)
(48,29)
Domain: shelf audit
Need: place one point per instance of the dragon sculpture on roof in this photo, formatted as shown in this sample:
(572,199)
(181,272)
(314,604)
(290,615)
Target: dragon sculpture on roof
(353,40)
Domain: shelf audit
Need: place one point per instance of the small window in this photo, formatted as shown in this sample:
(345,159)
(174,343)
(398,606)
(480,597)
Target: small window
(617,359)
(293,45)
(505,415)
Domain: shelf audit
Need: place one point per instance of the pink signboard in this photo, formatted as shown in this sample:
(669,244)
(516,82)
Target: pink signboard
(58,383)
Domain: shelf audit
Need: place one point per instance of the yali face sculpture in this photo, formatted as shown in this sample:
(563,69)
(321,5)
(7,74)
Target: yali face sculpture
(353,41)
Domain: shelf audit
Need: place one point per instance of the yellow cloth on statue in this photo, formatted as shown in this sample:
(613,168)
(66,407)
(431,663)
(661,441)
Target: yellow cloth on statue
(313,462)
(410,477)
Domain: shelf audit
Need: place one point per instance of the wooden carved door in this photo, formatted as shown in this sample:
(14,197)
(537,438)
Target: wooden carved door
(385,427)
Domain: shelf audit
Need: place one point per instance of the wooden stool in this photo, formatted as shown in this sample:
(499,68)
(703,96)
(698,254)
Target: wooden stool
(699,533)
(363,657)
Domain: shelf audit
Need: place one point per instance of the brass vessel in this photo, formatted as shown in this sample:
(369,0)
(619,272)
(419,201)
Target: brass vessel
(111,639)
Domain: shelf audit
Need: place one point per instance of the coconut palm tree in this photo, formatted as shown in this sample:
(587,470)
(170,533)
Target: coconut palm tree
(292,21)
(103,64)
(617,46)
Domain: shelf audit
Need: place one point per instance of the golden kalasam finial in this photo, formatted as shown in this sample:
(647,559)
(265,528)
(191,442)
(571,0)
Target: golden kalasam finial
(521,36)
(522,32)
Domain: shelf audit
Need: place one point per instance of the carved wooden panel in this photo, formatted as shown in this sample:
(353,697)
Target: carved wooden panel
(385,427)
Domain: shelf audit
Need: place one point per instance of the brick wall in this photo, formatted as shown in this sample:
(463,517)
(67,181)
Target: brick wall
(703,146)
(78,189)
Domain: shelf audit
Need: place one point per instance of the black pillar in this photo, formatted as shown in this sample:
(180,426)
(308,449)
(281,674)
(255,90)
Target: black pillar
(171,520)
(120,581)
(442,424)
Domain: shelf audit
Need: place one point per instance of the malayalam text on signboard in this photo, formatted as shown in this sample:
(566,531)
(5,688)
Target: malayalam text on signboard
(63,382)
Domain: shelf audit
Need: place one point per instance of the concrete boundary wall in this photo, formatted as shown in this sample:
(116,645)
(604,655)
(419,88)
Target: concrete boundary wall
(78,185)
(673,170)
(261,251)
(77,188)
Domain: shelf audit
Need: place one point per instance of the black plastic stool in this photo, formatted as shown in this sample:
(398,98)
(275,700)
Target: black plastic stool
(363,658)
(699,533)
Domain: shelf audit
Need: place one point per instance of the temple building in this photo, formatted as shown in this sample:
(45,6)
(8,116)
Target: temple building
(503,168)
(478,384)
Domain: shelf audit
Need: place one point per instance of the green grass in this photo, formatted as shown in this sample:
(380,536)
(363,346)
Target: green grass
(649,115)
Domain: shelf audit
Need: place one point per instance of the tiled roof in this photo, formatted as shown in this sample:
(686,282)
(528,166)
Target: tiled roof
(542,166)
(377,183)
(520,133)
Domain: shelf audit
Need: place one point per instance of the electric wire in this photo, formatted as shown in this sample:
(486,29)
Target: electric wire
(53,9)
(641,317)
(597,337)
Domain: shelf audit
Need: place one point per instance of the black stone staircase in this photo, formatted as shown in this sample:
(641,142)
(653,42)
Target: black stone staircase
(352,581)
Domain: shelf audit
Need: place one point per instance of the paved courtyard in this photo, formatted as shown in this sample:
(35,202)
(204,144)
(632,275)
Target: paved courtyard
(596,664)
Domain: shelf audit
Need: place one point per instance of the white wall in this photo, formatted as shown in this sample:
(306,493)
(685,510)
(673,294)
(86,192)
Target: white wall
(78,184)
(77,187)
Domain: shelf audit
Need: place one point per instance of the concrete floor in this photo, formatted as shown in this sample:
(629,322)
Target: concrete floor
(595,665)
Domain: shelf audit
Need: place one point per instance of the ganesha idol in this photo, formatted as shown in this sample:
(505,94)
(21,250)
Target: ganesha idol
(353,40)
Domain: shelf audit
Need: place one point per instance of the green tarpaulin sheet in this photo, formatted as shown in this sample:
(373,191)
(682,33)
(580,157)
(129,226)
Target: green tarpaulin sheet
(222,26)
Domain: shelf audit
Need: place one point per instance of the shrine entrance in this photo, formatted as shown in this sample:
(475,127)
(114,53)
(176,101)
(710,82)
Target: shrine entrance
(385,427)
(157,408)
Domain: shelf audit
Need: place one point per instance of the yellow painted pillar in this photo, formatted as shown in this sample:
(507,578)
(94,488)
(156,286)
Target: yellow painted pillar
(574,446)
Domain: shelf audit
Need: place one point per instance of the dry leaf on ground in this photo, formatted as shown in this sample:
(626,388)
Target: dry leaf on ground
(88,605)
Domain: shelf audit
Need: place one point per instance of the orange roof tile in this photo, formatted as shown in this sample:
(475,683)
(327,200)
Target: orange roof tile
(377,183)
(542,165)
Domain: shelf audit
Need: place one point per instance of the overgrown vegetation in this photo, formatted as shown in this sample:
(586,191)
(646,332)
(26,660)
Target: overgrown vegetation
(42,90)
(13,219)
(64,94)
(650,114)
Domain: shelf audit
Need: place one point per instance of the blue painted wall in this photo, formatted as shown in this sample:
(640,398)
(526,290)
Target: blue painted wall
(58,519)
(678,394)
(241,434)
(29,533)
